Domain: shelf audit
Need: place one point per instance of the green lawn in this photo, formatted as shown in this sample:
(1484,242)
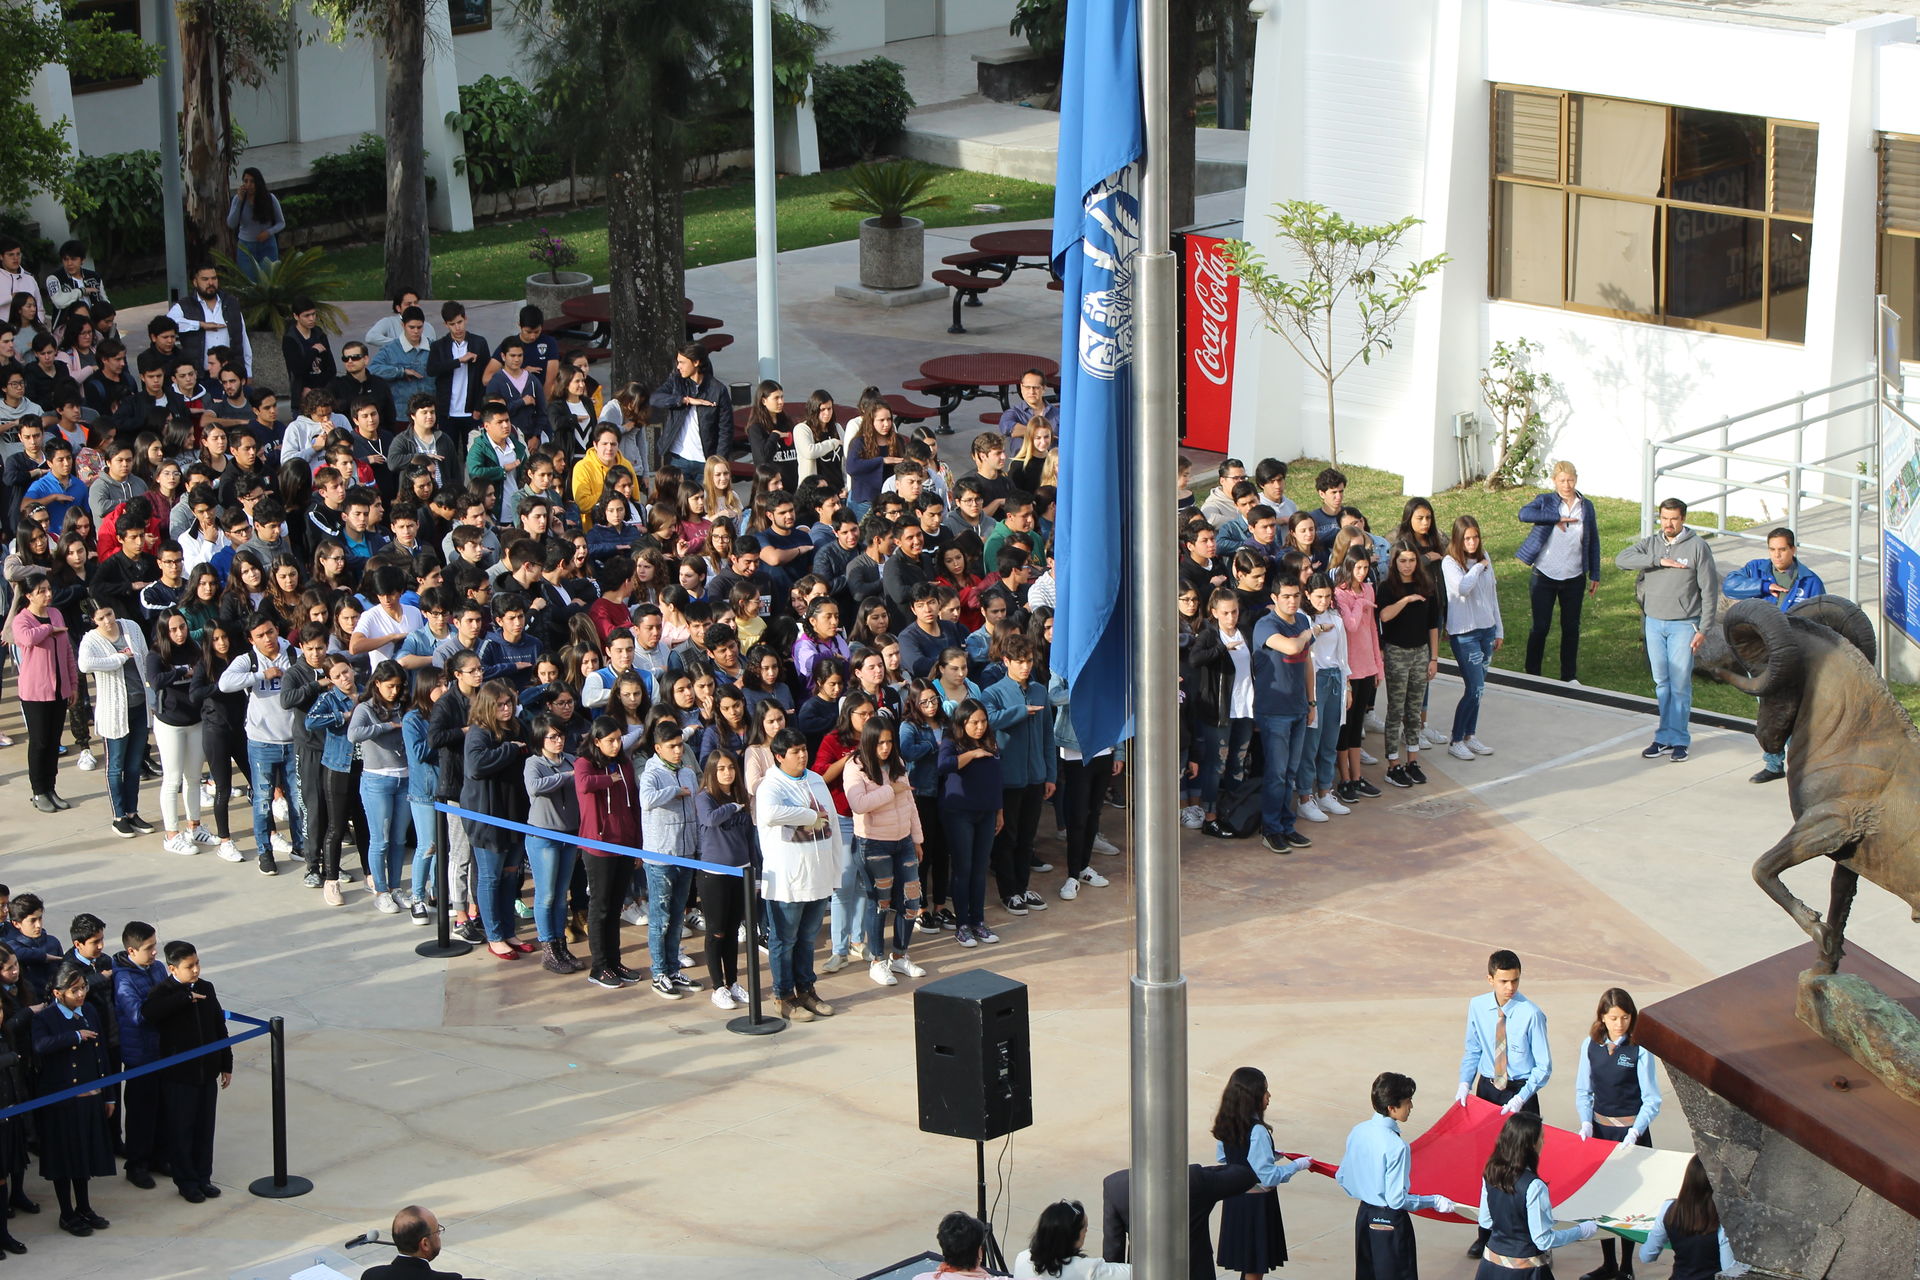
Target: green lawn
(1611,652)
(490,263)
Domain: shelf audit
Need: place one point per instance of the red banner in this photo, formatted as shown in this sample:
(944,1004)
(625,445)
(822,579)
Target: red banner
(1210,308)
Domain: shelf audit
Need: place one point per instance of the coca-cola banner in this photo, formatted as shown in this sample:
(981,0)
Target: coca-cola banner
(1210,307)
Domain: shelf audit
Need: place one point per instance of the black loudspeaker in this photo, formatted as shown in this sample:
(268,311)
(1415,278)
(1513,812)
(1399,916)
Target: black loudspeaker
(972,1051)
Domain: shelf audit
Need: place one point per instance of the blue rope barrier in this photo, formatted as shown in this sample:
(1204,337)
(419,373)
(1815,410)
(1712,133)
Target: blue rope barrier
(625,851)
(260,1028)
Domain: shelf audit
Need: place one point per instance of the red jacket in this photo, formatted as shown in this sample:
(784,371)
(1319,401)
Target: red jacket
(609,804)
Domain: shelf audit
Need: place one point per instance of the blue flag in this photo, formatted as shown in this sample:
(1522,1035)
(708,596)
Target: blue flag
(1096,238)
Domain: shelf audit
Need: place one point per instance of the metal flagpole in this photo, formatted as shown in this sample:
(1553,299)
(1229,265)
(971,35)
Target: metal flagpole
(765,231)
(1159,993)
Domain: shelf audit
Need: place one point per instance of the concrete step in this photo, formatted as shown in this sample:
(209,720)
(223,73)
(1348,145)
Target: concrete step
(1024,142)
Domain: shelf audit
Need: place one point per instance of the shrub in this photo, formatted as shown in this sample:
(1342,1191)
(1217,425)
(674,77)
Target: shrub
(39,249)
(507,135)
(858,108)
(125,220)
(888,192)
(353,182)
(265,291)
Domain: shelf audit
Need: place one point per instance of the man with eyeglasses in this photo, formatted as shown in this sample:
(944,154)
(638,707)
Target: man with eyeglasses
(360,382)
(416,1237)
(1220,506)
(164,592)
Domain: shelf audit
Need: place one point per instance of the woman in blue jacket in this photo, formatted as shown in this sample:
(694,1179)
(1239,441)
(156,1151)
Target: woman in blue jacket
(724,813)
(423,779)
(970,800)
(1563,547)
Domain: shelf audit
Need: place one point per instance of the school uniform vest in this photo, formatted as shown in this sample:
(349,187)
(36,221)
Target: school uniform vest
(1615,1078)
(1696,1257)
(1511,1238)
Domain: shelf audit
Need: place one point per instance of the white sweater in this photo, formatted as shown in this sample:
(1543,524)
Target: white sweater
(1473,602)
(109,668)
(800,853)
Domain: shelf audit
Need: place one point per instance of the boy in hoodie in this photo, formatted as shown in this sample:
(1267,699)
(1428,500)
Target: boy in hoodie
(667,826)
(136,971)
(1018,709)
(1678,591)
(260,673)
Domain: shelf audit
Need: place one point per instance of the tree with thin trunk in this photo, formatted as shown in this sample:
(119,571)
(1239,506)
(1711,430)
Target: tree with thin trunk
(399,27)
(1346,305)
(222,43)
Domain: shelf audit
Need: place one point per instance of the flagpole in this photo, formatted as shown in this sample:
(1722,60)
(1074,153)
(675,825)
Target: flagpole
(1159,994)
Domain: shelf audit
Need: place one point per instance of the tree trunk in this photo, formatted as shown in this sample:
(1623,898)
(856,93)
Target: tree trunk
(409,262)
(1182,49)
(645,256)
(1333,441)
(204,154)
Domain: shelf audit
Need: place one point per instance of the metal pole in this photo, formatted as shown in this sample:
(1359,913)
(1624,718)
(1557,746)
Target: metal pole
(282,1185)
(1159,993)
(172,210)
(445,945)
(755,1023)
(766,233)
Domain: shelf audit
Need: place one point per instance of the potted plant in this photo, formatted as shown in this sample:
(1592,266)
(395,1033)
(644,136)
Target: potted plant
(892,245)
(549,288)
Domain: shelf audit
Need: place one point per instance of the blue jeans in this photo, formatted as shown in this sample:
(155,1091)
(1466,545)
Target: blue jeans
(850,911)
(970,852)
(255,252)
(1473,650)
(666,905)
(125,757)
(1222,756)
(890,877)
(384,797)
(1774,760)
(267,761)
(1317,773)
(792,928)
(1670,654)
(694,471)
(495,874)
(426,828)
(552,863)
(1284,740)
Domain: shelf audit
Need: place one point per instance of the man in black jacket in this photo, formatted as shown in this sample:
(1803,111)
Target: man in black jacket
(185,1014)
(456,395)
(359,381)
(308,354)
(416,1235)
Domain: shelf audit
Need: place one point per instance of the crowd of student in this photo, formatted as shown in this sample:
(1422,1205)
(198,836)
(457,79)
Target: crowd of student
(70,1015)
(1506,1061)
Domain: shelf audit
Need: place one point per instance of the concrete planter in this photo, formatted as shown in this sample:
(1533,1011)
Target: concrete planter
(892,257)
(545,294)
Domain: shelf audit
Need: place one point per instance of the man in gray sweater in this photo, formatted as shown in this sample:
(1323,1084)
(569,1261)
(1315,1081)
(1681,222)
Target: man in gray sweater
(1679,593)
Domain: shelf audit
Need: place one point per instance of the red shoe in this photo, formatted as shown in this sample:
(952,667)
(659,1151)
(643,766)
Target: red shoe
(524,948)
(504,955)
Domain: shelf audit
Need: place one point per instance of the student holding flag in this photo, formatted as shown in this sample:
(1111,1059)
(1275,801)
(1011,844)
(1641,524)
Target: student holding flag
(1617,1097)
(1375,1171)
(1506,1050)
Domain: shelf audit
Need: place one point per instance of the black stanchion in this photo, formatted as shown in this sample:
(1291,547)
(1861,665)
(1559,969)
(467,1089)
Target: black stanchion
(444,945)
(282,1185)
(756,1023)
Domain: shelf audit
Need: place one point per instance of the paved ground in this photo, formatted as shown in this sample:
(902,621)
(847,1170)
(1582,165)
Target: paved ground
(560,1129)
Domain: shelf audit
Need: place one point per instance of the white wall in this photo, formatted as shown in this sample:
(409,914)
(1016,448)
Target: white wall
(336,86)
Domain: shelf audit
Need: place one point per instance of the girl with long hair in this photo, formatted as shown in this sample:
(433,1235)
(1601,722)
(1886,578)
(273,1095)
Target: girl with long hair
(730,727)
(18,1003)
(871,457)
(887,844)
(717,484)
(1332,698)
(1353,596)
(339,774)
(1689,1224)
(1219,705)
(970,810)
(765,679)
(609,799)
(768,718)
(1474,629)
(1056,1249)
(552,805)
(770,436)
(1616,1095)
(246,589)
(255,218)
(200,601)
(724,811)
(423,778)
(492,760)
(869,669)
(49,682)
(1516,1207)
(816,442)
(923,723)
(1253,1238)
(847,918)
(1030,462)
(176,730)
(115,654)
(223,725)
(378,731)
(1410,648)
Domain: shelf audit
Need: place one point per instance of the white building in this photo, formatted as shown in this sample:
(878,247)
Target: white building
(1681,200)
(327,95)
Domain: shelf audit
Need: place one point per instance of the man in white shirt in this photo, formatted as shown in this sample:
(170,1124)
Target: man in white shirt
(382,628)
(206,310)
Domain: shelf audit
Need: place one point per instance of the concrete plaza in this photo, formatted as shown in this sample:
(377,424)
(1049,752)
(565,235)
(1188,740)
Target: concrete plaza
(559,1129)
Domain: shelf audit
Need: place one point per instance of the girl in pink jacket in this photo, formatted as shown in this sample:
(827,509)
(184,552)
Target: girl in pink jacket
(49,680)
(887,840)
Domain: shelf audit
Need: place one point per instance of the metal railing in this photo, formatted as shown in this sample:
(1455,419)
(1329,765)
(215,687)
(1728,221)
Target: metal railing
(1729,458)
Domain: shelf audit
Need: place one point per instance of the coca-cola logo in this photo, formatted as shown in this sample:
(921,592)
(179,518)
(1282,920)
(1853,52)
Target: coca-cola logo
(1212,293)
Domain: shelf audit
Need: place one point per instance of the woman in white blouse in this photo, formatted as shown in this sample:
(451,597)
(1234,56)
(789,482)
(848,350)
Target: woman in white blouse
(115,653)
(1055,1250)
(1473,629)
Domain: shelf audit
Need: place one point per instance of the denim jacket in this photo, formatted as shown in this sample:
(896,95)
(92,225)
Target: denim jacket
(423,771)
(329,714)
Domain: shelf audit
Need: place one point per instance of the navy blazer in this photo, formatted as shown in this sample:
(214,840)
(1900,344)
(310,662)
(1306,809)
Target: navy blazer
(64,1058)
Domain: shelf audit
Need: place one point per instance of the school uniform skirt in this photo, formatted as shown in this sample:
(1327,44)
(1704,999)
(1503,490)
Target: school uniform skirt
(76,1139)
(1253,1239)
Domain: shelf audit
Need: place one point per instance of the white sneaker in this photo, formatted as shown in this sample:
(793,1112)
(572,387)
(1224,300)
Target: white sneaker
(280,844)
(1367,757)
(201,835)
(1330,803)
(1059,833)
(634,913)
(180,842)
(907,968)
(1309,811)
(1372,723)
(207,795)
(88,762)
(882,972)
(1574,684)
(385,905)
(1070,890)
(279,809)
(722,998)
(1478,747)
(1094,878)
(1192,816)
(1434,738)
(740,998)
(230,852)
(1460,751)
(1103,845)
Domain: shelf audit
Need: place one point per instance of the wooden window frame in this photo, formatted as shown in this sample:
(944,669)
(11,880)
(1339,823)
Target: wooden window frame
(477,27)
(1663,206)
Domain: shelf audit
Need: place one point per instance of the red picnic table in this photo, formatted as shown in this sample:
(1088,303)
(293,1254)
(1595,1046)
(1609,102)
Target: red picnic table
(958,378)
(597,309)
(1014,248)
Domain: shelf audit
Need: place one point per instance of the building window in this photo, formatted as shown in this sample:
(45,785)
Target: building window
(1900,235)
(1668,215)
(120,15)
(470,15)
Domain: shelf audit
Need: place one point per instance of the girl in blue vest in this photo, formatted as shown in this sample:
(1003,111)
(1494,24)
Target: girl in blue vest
(1253,1239)
(1689,1224)
(1616,1095)
(1517,1210)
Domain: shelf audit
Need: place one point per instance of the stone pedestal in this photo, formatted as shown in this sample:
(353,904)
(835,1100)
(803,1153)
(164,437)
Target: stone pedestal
(1815,1163)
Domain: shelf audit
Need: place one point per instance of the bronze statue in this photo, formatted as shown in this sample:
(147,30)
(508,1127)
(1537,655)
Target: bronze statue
(1853,756)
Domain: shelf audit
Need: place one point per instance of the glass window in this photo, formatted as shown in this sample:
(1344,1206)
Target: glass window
(470,15)
(1789,259)
(1617,146)
(1713,267)
(1530,258)
(1795,151)
(1900,235)
(1529,135)
(1719,159)
(1613,256)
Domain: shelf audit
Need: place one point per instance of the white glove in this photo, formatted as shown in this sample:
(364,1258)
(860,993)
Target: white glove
(1633,1136)
(1460,1096)
(1586,1130)
(1442,1205)
(1588,1229)
(1511,1107)
(1302,1163)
